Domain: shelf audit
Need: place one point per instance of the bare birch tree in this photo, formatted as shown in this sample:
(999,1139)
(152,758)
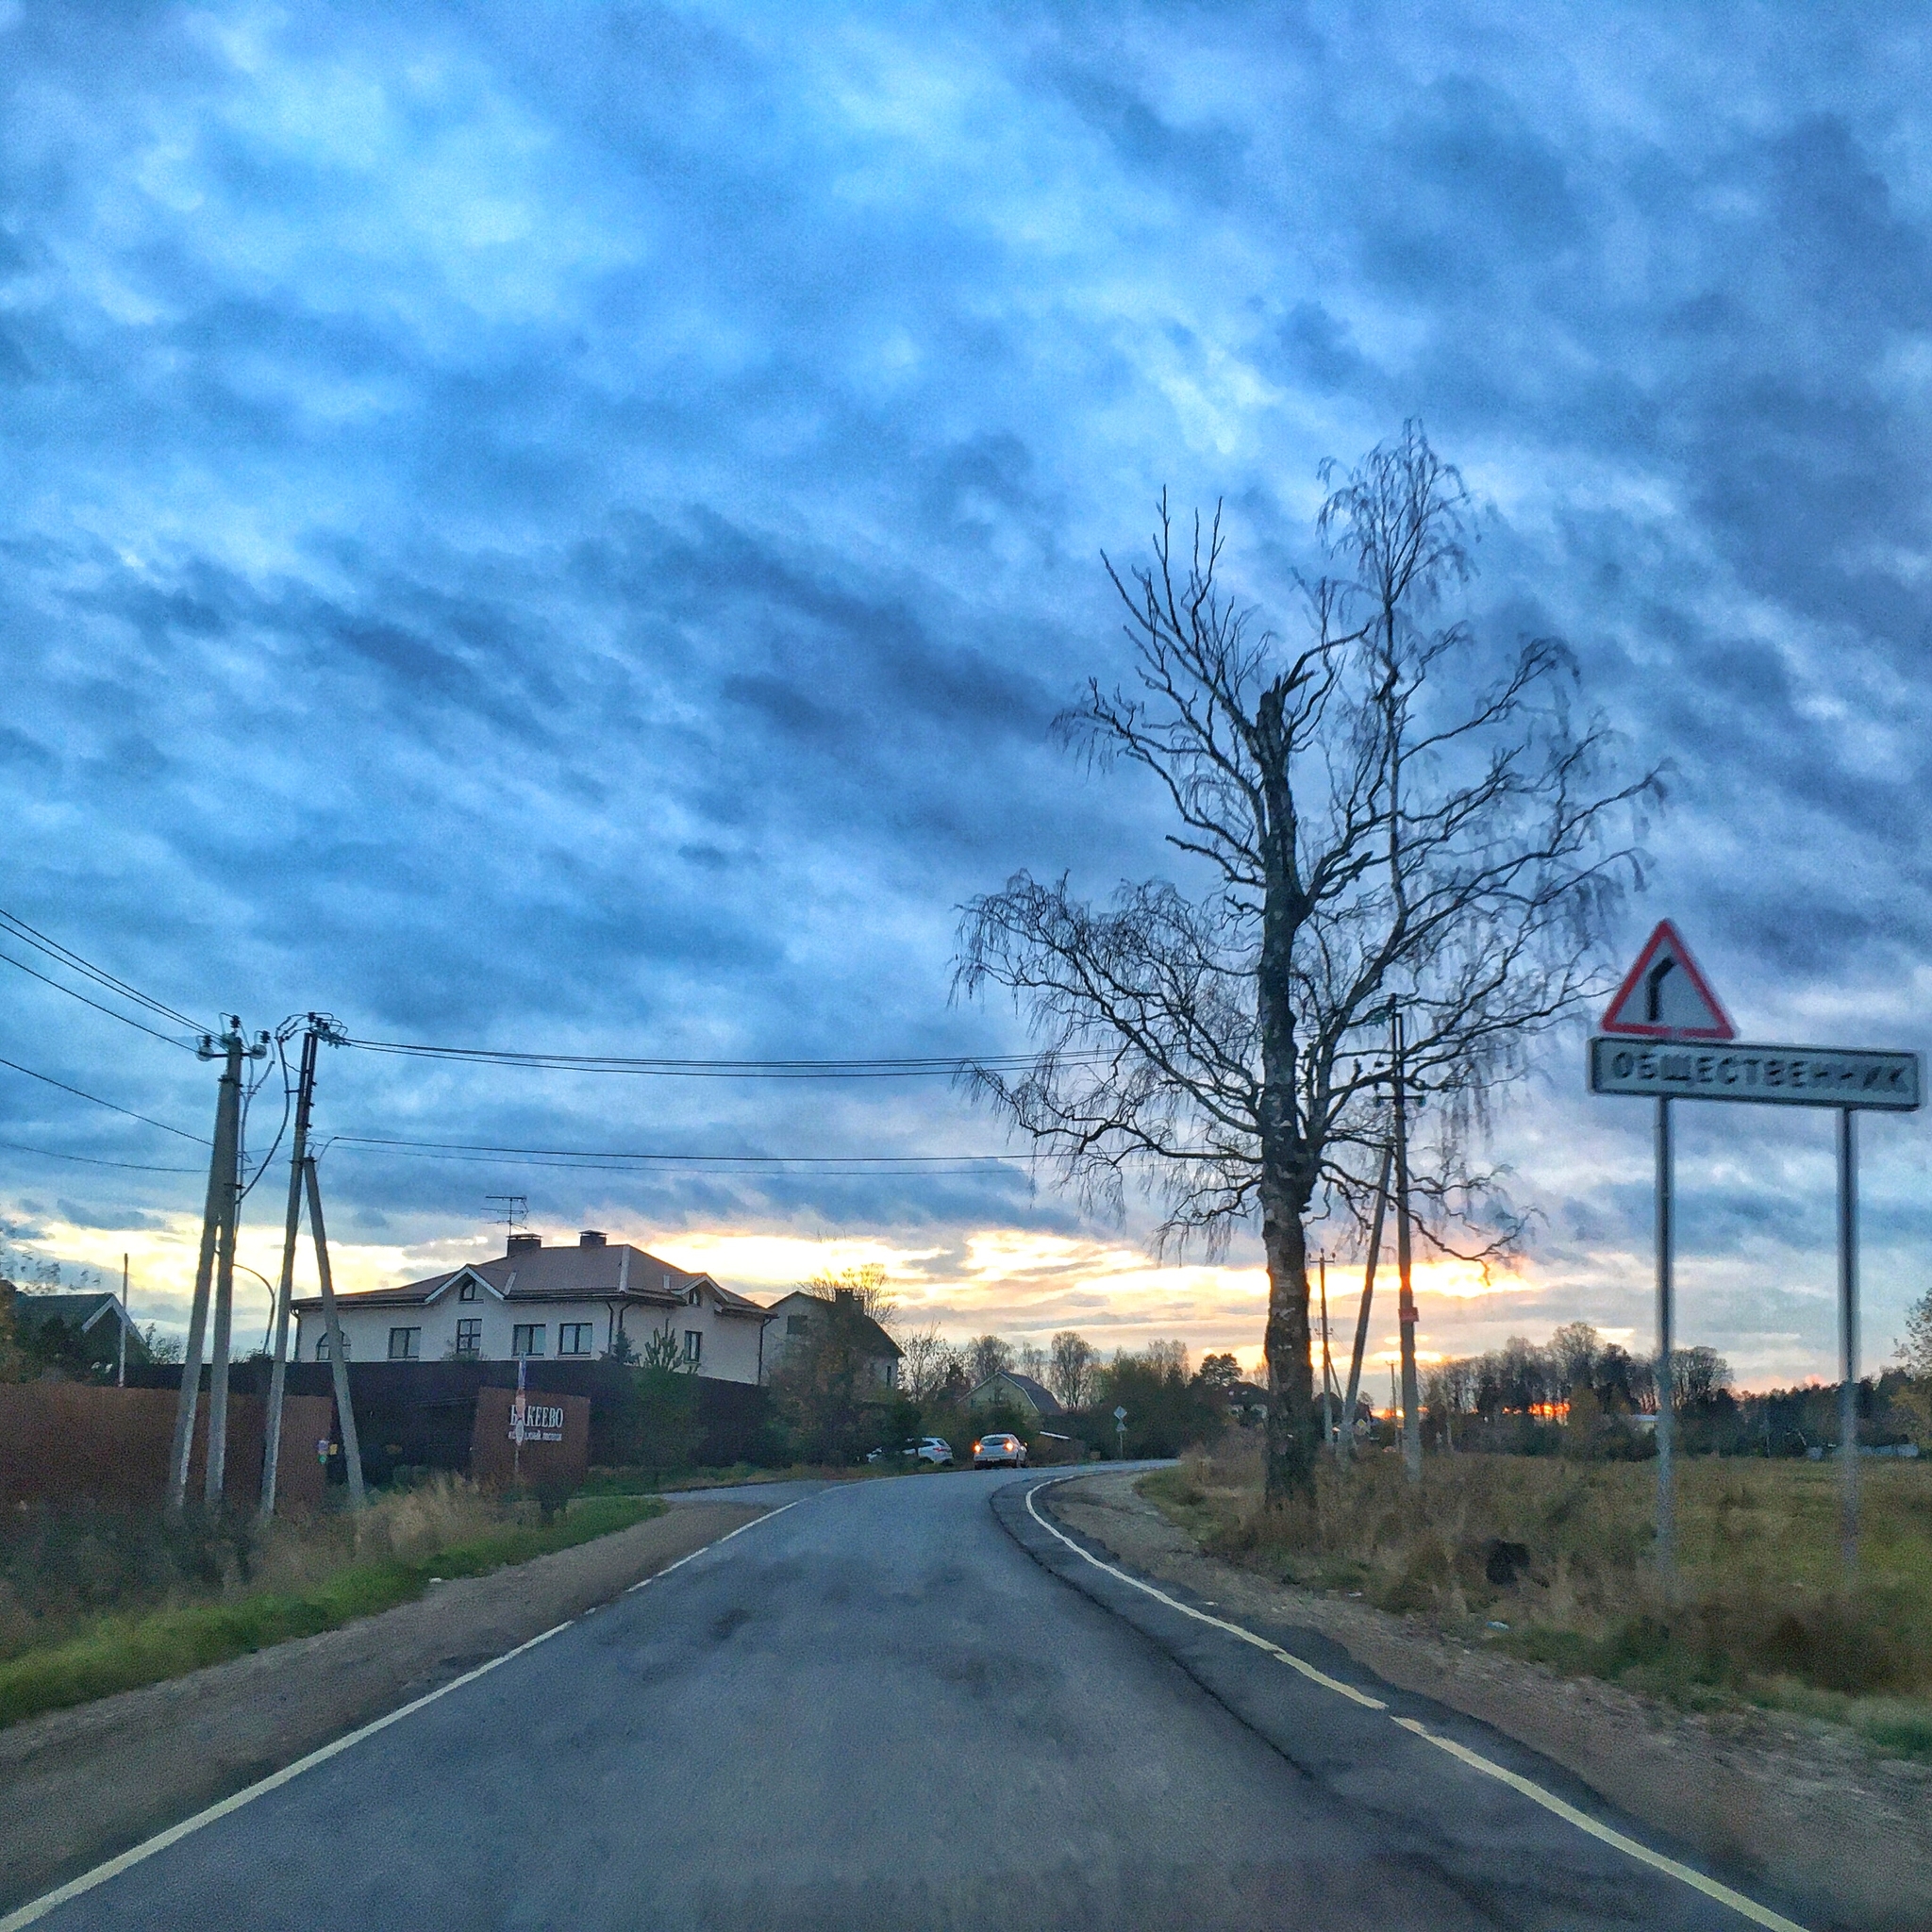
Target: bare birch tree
(1372,818)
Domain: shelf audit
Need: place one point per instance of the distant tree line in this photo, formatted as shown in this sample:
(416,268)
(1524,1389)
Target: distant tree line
(1578,1393)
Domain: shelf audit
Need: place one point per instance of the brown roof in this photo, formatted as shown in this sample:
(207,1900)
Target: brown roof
(535,1273)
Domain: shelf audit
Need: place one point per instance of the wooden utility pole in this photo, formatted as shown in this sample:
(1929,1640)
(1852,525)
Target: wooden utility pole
(338,1367)
(320,1027)
(221,1174)
(1404,1313)
(1361,1320)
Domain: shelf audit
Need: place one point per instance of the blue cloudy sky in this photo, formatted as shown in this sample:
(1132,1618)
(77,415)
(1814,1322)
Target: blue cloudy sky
(565,528)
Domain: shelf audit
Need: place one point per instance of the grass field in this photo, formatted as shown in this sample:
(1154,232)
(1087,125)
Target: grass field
(299,1580)
(1554,1560)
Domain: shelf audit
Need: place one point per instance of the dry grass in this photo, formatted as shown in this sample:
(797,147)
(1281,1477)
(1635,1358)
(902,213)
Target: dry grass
(107,1619)
(1555,1561)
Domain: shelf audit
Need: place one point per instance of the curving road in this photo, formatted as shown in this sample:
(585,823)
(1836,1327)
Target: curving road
(894,1705)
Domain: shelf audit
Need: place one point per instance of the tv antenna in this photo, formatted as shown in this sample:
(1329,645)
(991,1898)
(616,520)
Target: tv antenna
(515,1212)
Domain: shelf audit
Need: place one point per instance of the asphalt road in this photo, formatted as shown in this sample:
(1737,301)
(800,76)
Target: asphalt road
(881,1708)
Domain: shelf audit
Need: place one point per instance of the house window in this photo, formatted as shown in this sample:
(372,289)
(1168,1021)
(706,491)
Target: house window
(470,1336)
(693,1347)
(405,1345)
(797,1324)
(321,1347)
(467,1292)
(574,1337)
(526,1338)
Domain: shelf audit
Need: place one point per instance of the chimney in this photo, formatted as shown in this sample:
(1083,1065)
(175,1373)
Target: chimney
(846,1298)
(590,1238)
(521,1243)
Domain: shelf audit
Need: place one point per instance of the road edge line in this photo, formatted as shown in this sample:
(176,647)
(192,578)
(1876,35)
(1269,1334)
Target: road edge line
(1711,1887)
(38,1908)
(1635,1848)
(1273,1650)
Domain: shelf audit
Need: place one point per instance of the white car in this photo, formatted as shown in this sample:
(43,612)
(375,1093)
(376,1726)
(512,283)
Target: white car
(999,1452)
(933,1449)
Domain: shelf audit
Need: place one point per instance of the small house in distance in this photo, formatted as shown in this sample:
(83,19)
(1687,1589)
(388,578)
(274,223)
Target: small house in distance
(75,1332)
(793,1317)
(567,1303)
(1016,1391)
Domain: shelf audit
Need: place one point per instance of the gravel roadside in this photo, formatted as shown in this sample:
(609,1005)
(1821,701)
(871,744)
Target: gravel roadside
(1805,1805)
(78,1786)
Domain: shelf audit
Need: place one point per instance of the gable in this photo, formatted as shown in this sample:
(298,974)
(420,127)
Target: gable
(482,1283)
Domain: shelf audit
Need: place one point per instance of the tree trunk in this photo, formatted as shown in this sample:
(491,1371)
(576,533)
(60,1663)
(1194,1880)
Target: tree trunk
(1287,1175)
(1291,1427)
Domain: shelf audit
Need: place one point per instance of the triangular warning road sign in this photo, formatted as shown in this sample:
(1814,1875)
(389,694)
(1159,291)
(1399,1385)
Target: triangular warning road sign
(1665,997)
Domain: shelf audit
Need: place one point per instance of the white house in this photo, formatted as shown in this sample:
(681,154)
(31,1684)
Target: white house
(569,1303)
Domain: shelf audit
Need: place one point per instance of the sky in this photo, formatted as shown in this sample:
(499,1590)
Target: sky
(566,529)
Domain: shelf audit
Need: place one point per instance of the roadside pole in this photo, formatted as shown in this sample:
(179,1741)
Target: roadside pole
(1848,1333)
(320,1027)
(221,1168)
(339,1369)
(1361,1320)
(121,1356)
(1666,1381)
(215,1475)
(1405,1311)
(1327,1369)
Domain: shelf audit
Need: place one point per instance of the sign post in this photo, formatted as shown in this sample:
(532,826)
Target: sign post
(1120,1431)
(1669,1039)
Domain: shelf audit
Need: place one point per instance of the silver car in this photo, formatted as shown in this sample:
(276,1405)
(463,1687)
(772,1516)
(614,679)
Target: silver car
(999,1452)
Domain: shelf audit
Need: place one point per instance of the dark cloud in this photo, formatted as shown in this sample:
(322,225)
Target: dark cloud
(576,539)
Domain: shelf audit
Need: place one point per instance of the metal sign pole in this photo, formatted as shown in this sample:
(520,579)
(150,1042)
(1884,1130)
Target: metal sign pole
(1848,1333)
(1666,1386)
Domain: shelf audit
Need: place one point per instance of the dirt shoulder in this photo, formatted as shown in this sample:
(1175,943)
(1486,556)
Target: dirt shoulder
(1807,1807)
(78,1785)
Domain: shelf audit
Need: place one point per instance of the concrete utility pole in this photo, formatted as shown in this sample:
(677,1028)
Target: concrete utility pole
(321,1026)
(1405,1312)
(215,1475)
(1361,1320)
(345,1409)
(221,1176)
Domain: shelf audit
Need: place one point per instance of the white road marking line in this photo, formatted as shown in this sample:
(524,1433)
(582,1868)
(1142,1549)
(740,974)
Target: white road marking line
(1273,1650)
(1749,1908)
(74,1887)
(643,1582)
(39,1907)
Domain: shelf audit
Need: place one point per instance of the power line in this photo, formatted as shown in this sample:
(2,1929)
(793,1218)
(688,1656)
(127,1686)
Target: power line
(73,960)
(874,1069)
(95,1161)
(9,959)
(691,1160)
(109,1105)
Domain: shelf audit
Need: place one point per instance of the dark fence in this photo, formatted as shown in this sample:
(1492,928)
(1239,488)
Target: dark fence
(424,1414)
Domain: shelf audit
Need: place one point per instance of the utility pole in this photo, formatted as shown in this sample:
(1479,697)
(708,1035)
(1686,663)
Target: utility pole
(215,1475)
(1361,1320)
(1327,1369)
(121,1356)
(1404,1313)
(346,1411)
(221,1176)
(320,1027)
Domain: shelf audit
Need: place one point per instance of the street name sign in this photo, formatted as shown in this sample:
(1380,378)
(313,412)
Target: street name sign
(1664,996)
(1779,1075)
